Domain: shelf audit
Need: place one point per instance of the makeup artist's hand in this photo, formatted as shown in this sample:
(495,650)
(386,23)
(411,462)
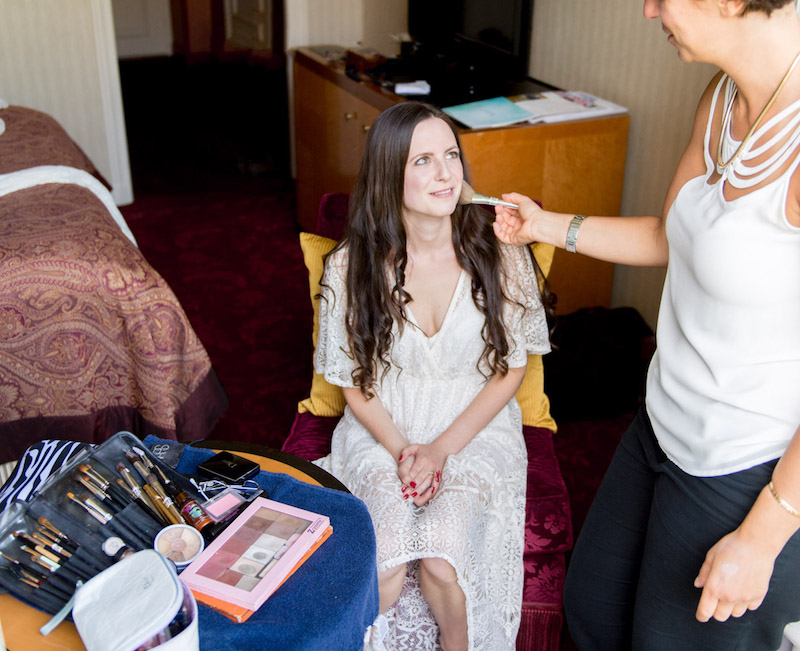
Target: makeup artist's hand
(734,577)
(515,226)
(422,476)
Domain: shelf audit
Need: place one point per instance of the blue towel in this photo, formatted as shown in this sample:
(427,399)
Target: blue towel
(330,601)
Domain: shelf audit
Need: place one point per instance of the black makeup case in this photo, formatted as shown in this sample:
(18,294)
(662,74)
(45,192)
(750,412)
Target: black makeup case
(82,521)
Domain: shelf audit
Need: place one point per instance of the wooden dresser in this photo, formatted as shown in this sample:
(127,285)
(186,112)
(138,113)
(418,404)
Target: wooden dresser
(569,167)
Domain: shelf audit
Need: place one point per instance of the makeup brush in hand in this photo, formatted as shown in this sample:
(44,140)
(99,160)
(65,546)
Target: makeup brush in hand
(468,195)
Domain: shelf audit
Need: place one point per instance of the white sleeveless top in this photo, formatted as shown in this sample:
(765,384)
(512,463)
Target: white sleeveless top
(723,389)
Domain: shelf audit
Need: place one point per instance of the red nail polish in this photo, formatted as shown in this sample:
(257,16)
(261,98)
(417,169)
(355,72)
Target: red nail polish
(437,475)
(400,459)
(413,484)
(414,494)
(433,490)
(405,497)
(403,488)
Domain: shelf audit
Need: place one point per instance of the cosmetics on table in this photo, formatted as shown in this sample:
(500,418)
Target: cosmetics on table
(222,506)
(180,543)
(104,504)
(255,554)
(192,512)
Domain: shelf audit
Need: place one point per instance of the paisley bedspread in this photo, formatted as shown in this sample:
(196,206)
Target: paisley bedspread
(31,138)
(92,339)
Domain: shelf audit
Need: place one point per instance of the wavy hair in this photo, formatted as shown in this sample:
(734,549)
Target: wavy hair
(375,241)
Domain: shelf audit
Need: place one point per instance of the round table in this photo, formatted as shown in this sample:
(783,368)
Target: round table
(21,623)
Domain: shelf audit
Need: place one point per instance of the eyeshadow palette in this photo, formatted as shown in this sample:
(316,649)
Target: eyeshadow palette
(256,553)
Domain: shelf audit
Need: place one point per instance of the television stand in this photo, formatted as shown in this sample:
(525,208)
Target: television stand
(569,167)
(455,78)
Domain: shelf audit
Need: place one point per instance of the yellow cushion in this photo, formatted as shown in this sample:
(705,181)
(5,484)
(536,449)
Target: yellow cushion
(533,401)
(327,400)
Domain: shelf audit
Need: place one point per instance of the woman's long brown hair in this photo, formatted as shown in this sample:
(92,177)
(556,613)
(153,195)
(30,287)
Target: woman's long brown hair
(375,241)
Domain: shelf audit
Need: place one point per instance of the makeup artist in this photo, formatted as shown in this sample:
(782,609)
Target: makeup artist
(692,539)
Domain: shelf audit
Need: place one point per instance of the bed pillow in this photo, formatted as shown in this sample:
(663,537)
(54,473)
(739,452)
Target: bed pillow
(327,399)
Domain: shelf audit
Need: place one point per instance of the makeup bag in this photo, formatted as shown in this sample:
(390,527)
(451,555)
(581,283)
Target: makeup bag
(137,603)
(52,541)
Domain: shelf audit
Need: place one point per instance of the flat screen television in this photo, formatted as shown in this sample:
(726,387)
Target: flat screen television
(490,35)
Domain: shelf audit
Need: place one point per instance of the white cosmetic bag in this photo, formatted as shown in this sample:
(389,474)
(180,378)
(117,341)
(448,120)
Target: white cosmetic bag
(137,602)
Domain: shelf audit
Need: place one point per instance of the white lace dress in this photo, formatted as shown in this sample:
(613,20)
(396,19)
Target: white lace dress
(476,520)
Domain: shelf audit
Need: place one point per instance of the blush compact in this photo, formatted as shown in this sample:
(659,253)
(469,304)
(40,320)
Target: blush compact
(224,505)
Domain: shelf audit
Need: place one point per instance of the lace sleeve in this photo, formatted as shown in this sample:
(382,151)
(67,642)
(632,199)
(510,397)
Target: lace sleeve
(332,357)
(523,314)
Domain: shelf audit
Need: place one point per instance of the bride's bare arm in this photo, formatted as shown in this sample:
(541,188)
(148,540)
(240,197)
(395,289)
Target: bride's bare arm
(430,458)
(373,416)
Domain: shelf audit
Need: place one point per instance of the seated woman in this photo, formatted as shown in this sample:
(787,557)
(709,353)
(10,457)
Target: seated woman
(426,322)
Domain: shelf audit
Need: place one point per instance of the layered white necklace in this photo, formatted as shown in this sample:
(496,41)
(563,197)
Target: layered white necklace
(726,120)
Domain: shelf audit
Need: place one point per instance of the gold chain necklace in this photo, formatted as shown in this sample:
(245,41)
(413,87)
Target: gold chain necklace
(726,120)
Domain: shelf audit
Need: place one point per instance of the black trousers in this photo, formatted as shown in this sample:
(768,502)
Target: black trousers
(630,583)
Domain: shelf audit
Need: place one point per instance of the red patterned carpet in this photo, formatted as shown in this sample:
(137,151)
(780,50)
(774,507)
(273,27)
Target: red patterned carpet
(214,214)
(235,264)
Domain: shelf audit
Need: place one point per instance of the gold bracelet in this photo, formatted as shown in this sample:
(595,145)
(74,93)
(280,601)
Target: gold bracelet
(784,504)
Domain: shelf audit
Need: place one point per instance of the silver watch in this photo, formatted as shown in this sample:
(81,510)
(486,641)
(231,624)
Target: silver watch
(572,233)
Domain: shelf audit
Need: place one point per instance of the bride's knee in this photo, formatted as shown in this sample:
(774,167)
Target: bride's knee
(391,573)
(438,570)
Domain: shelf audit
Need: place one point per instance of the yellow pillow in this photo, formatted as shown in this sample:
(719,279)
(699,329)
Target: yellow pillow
(327,400)
(533,401)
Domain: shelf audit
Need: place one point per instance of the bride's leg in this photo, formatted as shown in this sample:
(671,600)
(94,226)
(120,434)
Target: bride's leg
(390,584)
(439,584)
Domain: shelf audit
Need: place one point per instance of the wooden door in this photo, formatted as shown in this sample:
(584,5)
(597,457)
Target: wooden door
(248,24)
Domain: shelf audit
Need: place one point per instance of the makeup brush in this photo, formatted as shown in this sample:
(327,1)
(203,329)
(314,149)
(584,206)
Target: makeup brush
(136,489)
(170,510)
(85,507)
(136,461)
(468,195)
(46,526)
(165,481)
(106,485)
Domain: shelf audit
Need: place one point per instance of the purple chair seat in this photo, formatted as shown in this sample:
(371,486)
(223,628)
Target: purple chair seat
(548,531)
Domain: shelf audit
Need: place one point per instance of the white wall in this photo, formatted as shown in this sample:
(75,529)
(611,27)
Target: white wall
(59,56)
(614,52)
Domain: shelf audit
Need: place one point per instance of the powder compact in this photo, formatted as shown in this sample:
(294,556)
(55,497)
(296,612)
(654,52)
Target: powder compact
(180,543)
(224,505)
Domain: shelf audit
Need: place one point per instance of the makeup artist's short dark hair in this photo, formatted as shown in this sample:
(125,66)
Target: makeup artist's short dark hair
(767,6)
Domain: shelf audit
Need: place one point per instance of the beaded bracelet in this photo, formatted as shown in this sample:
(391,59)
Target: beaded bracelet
(784,504)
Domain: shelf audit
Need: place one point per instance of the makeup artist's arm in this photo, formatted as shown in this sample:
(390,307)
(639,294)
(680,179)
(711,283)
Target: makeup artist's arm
(637,241)
(373,416)
(431,457)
